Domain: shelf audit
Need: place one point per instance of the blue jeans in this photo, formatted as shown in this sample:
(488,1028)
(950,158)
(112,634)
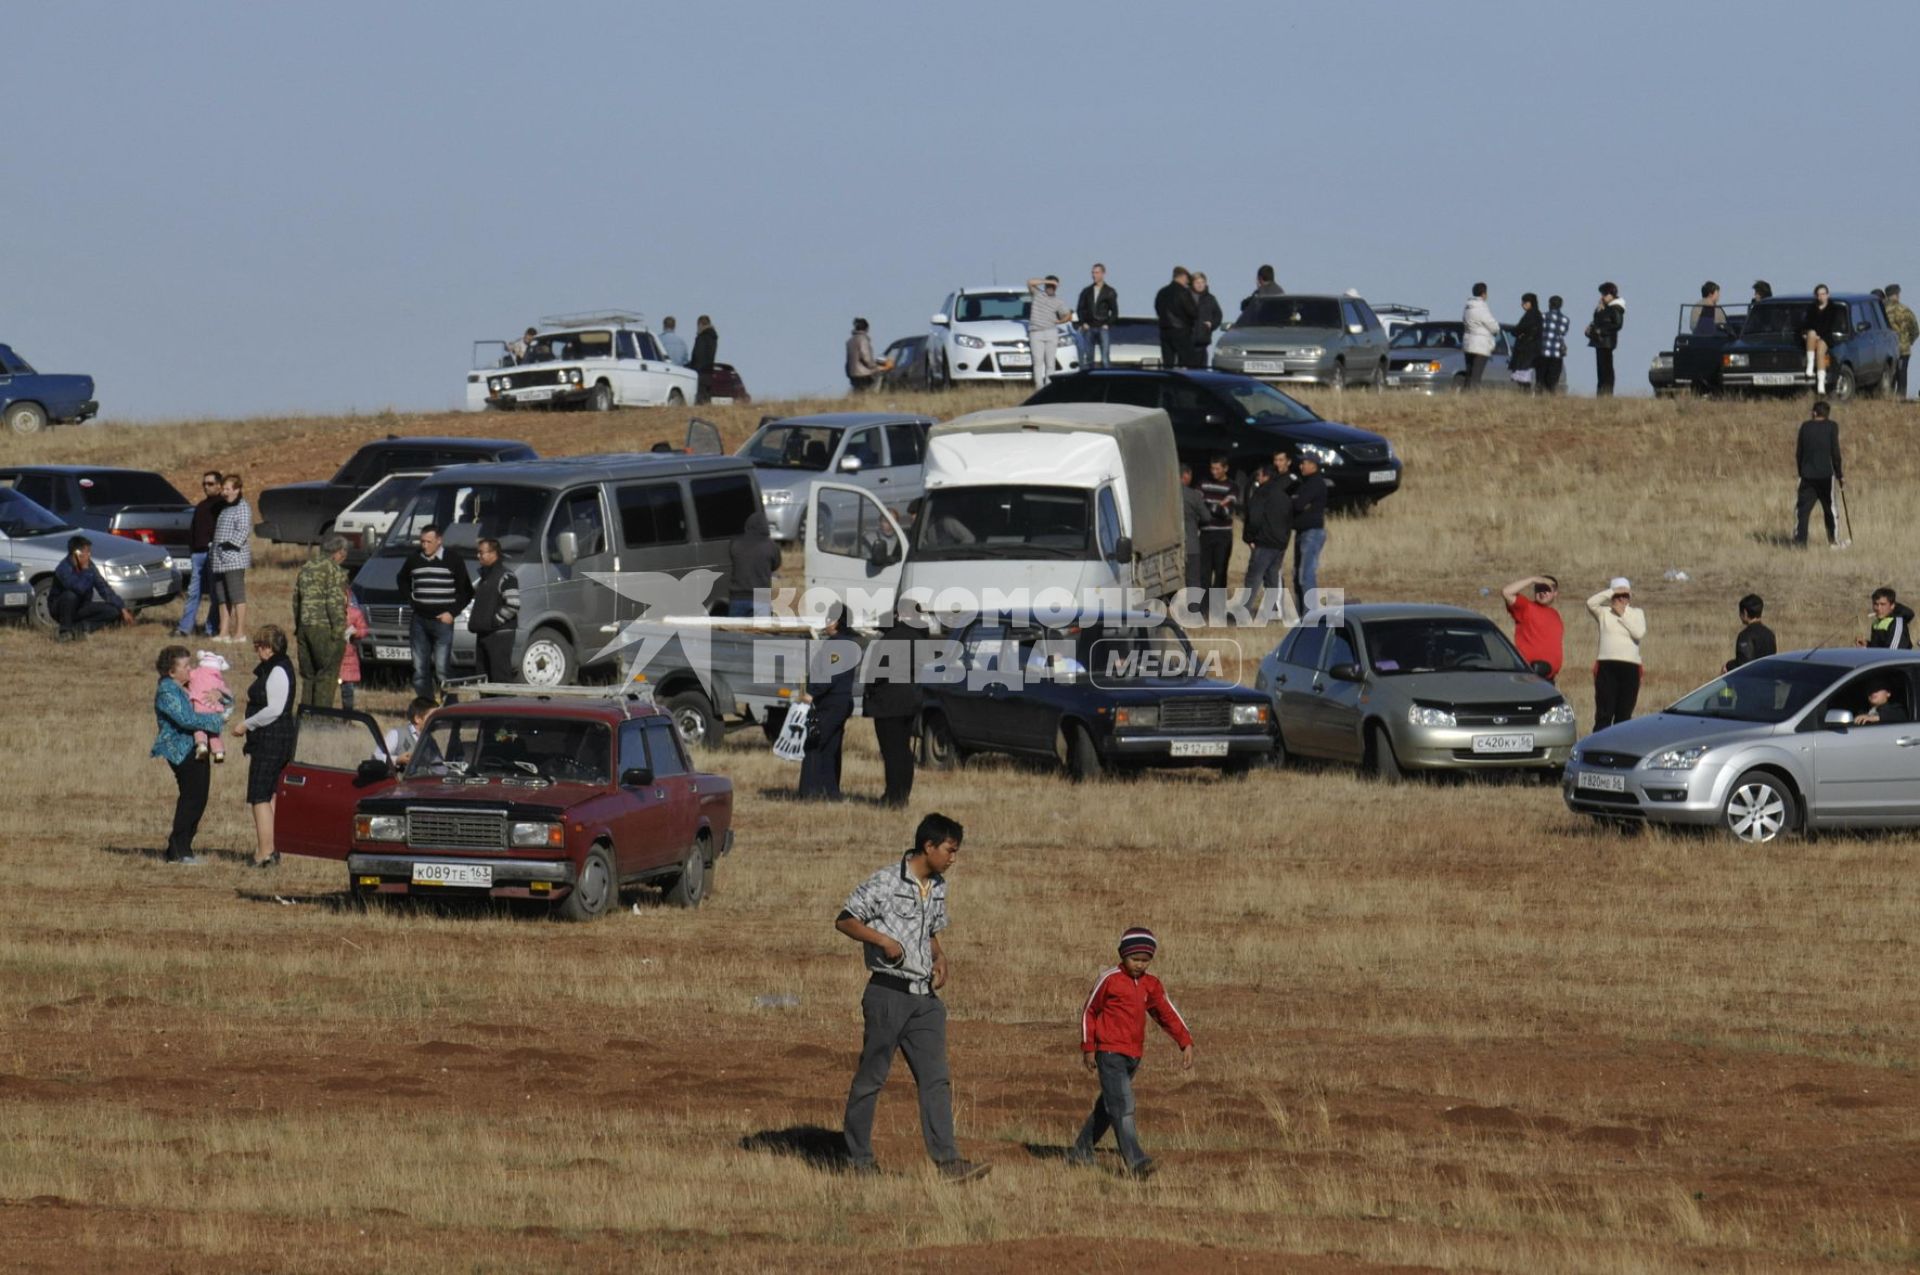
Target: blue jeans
(1306,563)
(1091,339)
(749,608)
(1113,1109)
(190,609)
(1263,572)
(432,644)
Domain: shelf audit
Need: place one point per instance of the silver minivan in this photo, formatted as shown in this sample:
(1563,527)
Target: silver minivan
(879,451)
(560,523)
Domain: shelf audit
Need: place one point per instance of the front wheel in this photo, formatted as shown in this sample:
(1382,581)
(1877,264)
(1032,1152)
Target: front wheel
(938,748)
(601,400)
(1379,381)
(689,888)
(548,659)
(595,891)
(26,418)
(1759,808)
(1844,384)
(694,717)
(1083,759)
(1339,381)
(41,616)
(1386,766)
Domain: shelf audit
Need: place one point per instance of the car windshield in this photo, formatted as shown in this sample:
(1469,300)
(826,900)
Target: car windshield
(1124,652)
(1291,312)
(11,362)
(1398,647)
(1266,405)
(1005,522)
(555,347)
(21,517)
(466,512)
(780,446)
(128,487)
(390,495)
(983,307)
(1764,691)
(523,749)
(1428,336)
(1775,320)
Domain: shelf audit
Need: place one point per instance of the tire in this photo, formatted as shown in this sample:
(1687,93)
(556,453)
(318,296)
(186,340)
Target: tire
(1460,383)
(1386,766)
(41,614)
(1885,388)
(937,378)
(1280,756)
(694,717)
(939,750)
(1759,808)
(1378,381)
(1844,386)
(676,399)
(548,659)
(1236,767)
(1339,381)
(773,723)
(689,888)
(26,418)
(601,399)
(596,890)
(1083,759)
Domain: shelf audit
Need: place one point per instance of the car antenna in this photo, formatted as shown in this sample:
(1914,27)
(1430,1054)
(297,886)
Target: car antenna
(1820,647)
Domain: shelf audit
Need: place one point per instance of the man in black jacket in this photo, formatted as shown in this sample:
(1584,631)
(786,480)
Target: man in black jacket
(1755,640)
(1816,454)
(1309,503)
(706,345)
(1891,627)
(753,557)
(1094,316)
(892,698)
(200,539)
(496,613)
(435,582)
(1269,525)
(1603,334)
(1176,310)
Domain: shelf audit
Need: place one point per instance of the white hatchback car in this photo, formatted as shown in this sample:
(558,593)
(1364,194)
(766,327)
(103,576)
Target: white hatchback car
(595,361)
(364,522)
(980,334)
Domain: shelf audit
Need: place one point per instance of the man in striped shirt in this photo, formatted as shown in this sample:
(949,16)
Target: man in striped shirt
(434,579)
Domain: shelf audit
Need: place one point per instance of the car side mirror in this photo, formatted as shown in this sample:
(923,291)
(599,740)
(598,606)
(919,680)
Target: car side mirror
(1123,549)
(372,771)
(1542,669)
(569,546)
(884,552)
(1344,673)
(636,777)
(1837,719)
(940,319)
(849,464)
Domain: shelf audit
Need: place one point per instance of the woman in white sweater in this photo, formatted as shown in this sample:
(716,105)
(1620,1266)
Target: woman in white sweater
(1616,674)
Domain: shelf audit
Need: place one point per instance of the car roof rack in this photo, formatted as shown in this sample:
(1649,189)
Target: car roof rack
(590,318)
(1398,310)
(624,694)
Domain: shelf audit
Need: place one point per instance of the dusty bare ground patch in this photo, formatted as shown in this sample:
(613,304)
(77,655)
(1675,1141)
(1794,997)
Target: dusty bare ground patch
(1445,1026)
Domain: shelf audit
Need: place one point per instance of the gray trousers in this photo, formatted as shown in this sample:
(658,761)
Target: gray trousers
(917,1027)
(1113,1109)
(1044,345)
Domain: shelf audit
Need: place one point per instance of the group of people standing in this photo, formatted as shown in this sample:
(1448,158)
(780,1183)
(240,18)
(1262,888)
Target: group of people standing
(1540,636)
(1537,359)
(1282,501)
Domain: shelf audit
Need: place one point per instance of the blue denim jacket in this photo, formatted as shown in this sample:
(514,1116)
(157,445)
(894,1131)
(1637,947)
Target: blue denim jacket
(178,720)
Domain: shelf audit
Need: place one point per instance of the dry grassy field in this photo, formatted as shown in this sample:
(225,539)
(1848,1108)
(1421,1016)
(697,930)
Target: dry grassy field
(1439,1026)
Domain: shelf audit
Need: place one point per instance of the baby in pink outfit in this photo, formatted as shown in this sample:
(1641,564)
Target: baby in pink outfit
(208,691)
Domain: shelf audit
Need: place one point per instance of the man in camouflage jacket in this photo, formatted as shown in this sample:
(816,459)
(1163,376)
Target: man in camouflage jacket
(320,621)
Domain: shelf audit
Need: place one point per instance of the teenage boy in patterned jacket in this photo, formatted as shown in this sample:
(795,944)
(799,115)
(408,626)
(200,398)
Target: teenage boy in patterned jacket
(1113,1029)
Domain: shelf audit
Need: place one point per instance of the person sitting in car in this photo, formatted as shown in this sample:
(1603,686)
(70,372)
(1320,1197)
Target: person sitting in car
(1882,709)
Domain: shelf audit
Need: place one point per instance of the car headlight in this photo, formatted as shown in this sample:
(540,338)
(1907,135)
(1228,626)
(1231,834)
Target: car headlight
(1560,714)
(114,572)
(1327,456)
(537,833)
(171,563)
(380,827)
(496,384)
(1663,360)
(777,496)
(1309,352)
(1144,715)
(1431,367)
(968,342)
(1733,360)
(11,575)
(576,375)
(1419,716)
(1677,758)
(1249,714)
(1392,454)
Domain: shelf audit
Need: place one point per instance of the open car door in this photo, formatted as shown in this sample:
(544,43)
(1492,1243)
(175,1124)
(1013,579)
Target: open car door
(313,809)
(855,548)
(703,438)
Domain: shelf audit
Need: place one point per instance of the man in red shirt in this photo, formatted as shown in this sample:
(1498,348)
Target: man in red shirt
(1537,629)
(1113,1031)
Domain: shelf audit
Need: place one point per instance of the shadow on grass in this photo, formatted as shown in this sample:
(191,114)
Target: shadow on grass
(1045,1150)
(820,1147)
(160,856)
(1775,540)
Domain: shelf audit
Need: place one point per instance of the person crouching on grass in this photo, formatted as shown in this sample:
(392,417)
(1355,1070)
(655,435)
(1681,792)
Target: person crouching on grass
(1113,1030)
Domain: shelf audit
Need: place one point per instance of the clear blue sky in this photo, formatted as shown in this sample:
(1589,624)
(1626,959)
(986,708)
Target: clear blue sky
(226,209)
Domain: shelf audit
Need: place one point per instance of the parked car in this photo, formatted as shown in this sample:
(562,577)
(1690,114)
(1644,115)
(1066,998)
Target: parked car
(1119,694)
(738,679)
(35,539)
(1335,341)
(364,523)
(303,513)
(1770,354)
(725,386)
(911,368)
(593,361)
(1429,358)
(980,334)
(558,799)
(135,504)
(1774,747)
(30,400)
(16,593)
(1395,318)
(1245,420)
(1396,687)
(879,451)
(560,522)
(1134,342)
(1693,362)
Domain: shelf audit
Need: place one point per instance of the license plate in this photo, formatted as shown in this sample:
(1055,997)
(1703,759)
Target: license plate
(393,653)
(160,588)
(1264,365)
(1600,783)
(1198,748)
(1503,743)
(1015,360)
(1393,380)
(16,598)
(478,875)
(534,396)
(1382,476)
(1774,378)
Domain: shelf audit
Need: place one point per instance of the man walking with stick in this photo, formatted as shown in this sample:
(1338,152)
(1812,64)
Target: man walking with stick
(1817,456)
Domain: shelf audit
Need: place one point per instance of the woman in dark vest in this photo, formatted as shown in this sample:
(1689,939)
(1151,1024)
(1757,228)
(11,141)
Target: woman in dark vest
(830,676)
(269,729)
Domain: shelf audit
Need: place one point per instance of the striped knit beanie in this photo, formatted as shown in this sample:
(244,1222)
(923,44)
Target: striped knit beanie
(1138,939)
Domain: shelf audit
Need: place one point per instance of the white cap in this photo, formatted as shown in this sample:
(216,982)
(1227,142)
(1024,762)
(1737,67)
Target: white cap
(1621,584)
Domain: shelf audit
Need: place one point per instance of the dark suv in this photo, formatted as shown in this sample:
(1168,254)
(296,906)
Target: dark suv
(1771,354)
(303,513)
(1247,421)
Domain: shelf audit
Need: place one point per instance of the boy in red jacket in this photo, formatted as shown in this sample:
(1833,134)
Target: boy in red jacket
(1113,1030)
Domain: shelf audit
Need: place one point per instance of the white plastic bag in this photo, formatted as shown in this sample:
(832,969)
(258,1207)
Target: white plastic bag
(791,742)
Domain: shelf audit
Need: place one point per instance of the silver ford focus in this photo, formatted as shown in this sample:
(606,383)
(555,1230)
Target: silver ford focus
(1815,739)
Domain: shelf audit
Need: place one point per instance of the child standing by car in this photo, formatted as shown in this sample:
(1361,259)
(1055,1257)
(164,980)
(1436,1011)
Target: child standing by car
(350,656)
(1113,1029)
(208,691)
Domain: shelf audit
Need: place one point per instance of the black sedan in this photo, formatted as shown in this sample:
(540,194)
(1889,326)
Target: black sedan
(1247,421)
(1114,695)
